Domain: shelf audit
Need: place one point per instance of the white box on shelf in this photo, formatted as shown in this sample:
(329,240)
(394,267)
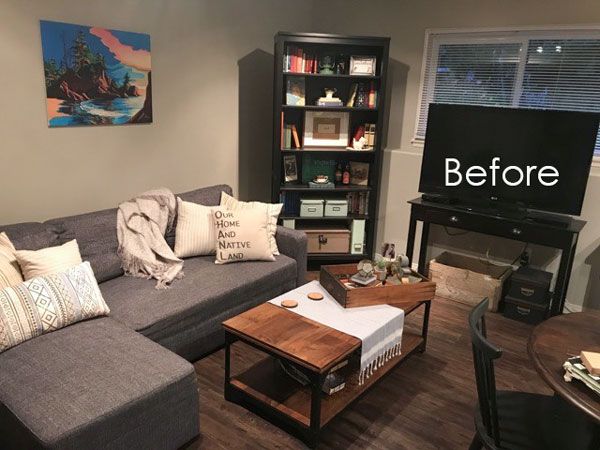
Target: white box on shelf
(289,223)
(357,239)
(336,208)
(311,207)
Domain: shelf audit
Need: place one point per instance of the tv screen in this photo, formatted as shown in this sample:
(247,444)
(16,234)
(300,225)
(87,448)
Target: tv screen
(528,158)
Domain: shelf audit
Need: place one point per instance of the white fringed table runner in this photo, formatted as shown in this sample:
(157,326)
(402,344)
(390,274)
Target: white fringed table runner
(378,327)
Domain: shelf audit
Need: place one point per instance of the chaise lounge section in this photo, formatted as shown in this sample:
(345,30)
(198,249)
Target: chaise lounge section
(125,381)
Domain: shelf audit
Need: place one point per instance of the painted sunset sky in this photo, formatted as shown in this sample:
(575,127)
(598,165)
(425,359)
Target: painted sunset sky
(94,75)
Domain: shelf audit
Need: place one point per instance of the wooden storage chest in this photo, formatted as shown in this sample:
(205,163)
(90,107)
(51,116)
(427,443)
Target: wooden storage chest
(328,240)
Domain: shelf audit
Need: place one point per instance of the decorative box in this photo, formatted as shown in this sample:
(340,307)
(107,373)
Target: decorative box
(328,240)
(400,295)
(524,311)
(529,284)
(336,208)
(310,207)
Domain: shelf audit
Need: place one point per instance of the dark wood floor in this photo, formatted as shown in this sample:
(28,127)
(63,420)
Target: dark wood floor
(425,403)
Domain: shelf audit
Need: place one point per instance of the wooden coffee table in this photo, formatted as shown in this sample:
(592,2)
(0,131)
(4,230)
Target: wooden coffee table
(314,349)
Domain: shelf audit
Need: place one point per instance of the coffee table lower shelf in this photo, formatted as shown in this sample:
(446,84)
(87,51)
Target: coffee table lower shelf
(265,383)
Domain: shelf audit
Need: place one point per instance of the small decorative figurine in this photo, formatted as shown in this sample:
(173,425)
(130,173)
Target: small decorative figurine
(326,65)
(321,179)
(359,144)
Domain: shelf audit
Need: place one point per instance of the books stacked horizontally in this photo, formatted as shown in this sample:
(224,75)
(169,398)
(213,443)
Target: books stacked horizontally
(358,202)
(582,368)
(298,61)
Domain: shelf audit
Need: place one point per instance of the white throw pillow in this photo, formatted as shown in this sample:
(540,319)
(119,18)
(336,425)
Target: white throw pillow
(195,233)
(10,273)
(37,263)
(272,209)
(48,303)
(242,235)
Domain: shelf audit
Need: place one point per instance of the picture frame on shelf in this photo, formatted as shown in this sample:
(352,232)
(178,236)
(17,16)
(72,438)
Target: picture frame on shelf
(363,65)
(295,91)
(290,166)
(359,173)
(326,129)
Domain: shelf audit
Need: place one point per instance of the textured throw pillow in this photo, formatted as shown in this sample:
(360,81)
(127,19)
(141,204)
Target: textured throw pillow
(272,209)
(36,263)
(10,273)
(242,235)
(195,233)
(48,303)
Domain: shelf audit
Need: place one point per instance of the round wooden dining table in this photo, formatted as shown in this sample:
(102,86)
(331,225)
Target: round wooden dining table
(554,341)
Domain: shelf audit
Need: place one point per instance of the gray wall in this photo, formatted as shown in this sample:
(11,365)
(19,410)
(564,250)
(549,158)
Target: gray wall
(405,22)
(196,49)
(204,90)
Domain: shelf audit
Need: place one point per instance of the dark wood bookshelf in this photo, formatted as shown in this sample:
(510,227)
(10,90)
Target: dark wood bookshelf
(319,44)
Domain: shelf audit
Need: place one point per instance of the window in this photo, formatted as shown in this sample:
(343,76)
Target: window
(557,69)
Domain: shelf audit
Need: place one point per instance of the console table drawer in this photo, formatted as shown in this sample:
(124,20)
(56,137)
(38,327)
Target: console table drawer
(517,230)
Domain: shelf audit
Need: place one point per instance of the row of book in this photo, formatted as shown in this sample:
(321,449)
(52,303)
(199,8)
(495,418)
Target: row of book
(297,60)
(358,203)
(290,136)
(291,203)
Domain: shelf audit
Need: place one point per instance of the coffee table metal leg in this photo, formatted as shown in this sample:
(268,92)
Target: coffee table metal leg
(316,382)
(227,391)
(425,329)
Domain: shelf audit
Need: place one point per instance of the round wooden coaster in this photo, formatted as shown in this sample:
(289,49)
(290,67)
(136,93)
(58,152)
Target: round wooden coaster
(315,296)
(289,303)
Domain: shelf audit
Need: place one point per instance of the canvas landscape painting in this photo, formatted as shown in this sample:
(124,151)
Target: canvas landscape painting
(96,76)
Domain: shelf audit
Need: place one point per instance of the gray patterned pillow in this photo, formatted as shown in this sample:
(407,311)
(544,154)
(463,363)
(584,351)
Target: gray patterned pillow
(48,303)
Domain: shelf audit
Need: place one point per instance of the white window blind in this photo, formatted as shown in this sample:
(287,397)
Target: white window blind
(537,69)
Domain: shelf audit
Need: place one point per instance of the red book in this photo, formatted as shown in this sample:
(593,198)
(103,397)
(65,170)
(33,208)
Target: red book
(295,135)
(294,58)
(299,60)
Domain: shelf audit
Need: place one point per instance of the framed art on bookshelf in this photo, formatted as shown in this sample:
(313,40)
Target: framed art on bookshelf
(326,129)
(363,65)
(290,166)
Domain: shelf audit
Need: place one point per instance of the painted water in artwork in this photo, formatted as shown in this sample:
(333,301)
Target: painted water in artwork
(96,76)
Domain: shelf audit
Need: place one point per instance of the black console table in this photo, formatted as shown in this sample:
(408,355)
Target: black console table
(562,236)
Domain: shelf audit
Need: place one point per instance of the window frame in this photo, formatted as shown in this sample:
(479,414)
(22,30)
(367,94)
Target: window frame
(434,37)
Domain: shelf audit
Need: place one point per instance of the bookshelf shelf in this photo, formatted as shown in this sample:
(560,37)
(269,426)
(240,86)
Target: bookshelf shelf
(328,150)
(306,188)
(341,218)
(297,57)
(327,108)
(332,76)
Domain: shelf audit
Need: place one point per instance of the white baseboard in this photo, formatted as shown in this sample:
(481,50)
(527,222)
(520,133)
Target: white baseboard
(571,307)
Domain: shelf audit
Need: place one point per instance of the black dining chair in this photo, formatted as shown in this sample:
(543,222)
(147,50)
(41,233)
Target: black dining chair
(511,420)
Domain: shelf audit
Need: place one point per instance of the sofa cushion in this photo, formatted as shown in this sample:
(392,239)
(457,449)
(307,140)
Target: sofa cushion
(194,306)
(96,234)
(30,235)
(96,385)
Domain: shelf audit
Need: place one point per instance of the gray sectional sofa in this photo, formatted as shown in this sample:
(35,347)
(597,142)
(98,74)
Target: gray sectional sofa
(125,381)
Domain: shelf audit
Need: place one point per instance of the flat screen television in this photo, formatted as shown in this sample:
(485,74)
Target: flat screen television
(542,158)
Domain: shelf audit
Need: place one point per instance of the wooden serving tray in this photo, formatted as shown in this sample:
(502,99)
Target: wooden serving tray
(400,295)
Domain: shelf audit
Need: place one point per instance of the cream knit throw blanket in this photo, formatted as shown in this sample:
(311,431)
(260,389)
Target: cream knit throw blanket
(141,226)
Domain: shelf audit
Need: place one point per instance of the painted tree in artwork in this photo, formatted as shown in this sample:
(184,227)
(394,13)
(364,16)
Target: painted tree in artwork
(126,82)
(82,55)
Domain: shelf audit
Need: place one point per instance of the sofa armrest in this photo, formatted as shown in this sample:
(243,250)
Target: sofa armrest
(293,243)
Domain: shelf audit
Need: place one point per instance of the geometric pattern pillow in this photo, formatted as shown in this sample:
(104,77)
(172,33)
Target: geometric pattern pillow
(48,303)
(271,209)
(10,273)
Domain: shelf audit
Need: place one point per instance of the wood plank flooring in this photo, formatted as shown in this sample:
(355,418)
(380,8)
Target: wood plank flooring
(425,403)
